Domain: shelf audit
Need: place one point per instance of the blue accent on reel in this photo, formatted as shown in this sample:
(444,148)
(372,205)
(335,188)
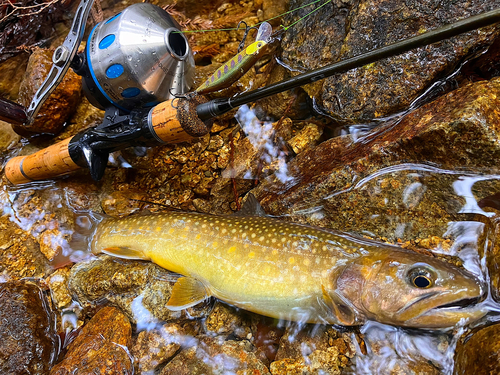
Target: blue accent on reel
(113,18)
(107,41)
(114,71)
(131,92)
(94,78)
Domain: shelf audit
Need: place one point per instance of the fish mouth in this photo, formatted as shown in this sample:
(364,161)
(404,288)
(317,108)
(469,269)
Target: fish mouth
(460,304)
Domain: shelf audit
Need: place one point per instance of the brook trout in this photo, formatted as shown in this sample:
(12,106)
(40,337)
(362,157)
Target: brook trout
(291,271)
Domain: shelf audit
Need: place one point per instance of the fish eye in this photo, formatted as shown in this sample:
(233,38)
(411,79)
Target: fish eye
(421,278)
(421,281)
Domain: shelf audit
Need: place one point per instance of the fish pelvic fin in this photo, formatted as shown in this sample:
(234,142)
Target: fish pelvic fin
(125,253)
(187,292)
(343,311)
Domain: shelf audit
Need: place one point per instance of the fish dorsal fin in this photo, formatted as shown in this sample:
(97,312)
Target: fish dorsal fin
(186,293)
(125,253)
(343,311)
(251,207)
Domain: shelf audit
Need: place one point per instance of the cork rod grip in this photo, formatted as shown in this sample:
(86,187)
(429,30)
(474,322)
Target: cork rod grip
(47,163)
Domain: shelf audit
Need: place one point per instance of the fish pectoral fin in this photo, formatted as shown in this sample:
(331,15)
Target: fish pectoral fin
(125,253)
(187,292)
(343,311)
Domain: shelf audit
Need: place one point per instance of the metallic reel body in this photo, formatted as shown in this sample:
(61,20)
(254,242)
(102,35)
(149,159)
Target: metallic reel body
(136,59)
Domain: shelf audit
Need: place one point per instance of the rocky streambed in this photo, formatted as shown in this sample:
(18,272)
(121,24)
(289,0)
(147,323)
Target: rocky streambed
(403,151)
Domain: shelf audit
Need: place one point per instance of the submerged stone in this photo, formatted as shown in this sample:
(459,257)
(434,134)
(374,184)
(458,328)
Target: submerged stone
(28,343)
(20,254)
(377,185)
(101,347)
(140,289)
(214,356)
(344,29)
(157,346)
(59,106)
(478,352)
(313,350)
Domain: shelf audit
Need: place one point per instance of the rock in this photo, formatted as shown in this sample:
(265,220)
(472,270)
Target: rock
(8,137)
(155,347)
(58,286)
(306,138)
(101,347)
(12,71)
(20,254)
(227,320)
(316,350)
(478,352)
(329,185)
(140,289)
(211,356)
(59,106)
(344,29)
(28,343)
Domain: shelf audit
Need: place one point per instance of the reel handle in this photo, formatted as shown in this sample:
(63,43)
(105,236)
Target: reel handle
(49,162)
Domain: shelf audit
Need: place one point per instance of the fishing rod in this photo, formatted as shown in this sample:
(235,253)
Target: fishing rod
(192,115)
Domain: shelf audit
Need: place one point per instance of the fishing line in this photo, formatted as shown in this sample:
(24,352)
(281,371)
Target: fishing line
(272,18)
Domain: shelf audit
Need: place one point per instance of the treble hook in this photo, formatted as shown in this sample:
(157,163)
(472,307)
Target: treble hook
(247,30)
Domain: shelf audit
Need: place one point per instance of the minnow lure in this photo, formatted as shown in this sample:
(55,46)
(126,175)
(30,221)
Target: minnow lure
(233,69)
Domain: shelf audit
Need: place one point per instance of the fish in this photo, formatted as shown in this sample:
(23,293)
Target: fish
(293,272)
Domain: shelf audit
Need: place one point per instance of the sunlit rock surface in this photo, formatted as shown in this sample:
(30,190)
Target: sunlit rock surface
(28,344)
(102,347)
(345,29)
(478,352)
(59,106)
(140,289)
(330,185)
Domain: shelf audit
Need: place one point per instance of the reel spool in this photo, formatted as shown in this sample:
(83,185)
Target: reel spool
(137,58)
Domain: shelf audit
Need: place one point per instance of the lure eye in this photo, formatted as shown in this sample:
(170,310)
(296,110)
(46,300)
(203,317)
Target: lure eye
(421,278)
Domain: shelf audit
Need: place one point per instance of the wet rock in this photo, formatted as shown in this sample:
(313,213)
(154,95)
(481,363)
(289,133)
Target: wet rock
(28,344)
(345,29)
(12,72)
(59,106)
(40,213)
(155,347)
(58,285)
(306,138)
(227,320)
(315,350)
(101,347)
(20,254)
(7,136)
(122,203)
(140,289)
(408,201)
(478,352)
(212,356)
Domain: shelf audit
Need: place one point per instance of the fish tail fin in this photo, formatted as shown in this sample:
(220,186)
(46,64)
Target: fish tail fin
(85,226)
(125,253)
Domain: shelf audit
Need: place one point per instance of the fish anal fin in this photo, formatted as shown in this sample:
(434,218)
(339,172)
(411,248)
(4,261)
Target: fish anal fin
(343,311)
(125,253)
(187,292)
(251,207)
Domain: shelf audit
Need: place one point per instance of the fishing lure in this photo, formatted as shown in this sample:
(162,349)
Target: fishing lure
(233,69)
